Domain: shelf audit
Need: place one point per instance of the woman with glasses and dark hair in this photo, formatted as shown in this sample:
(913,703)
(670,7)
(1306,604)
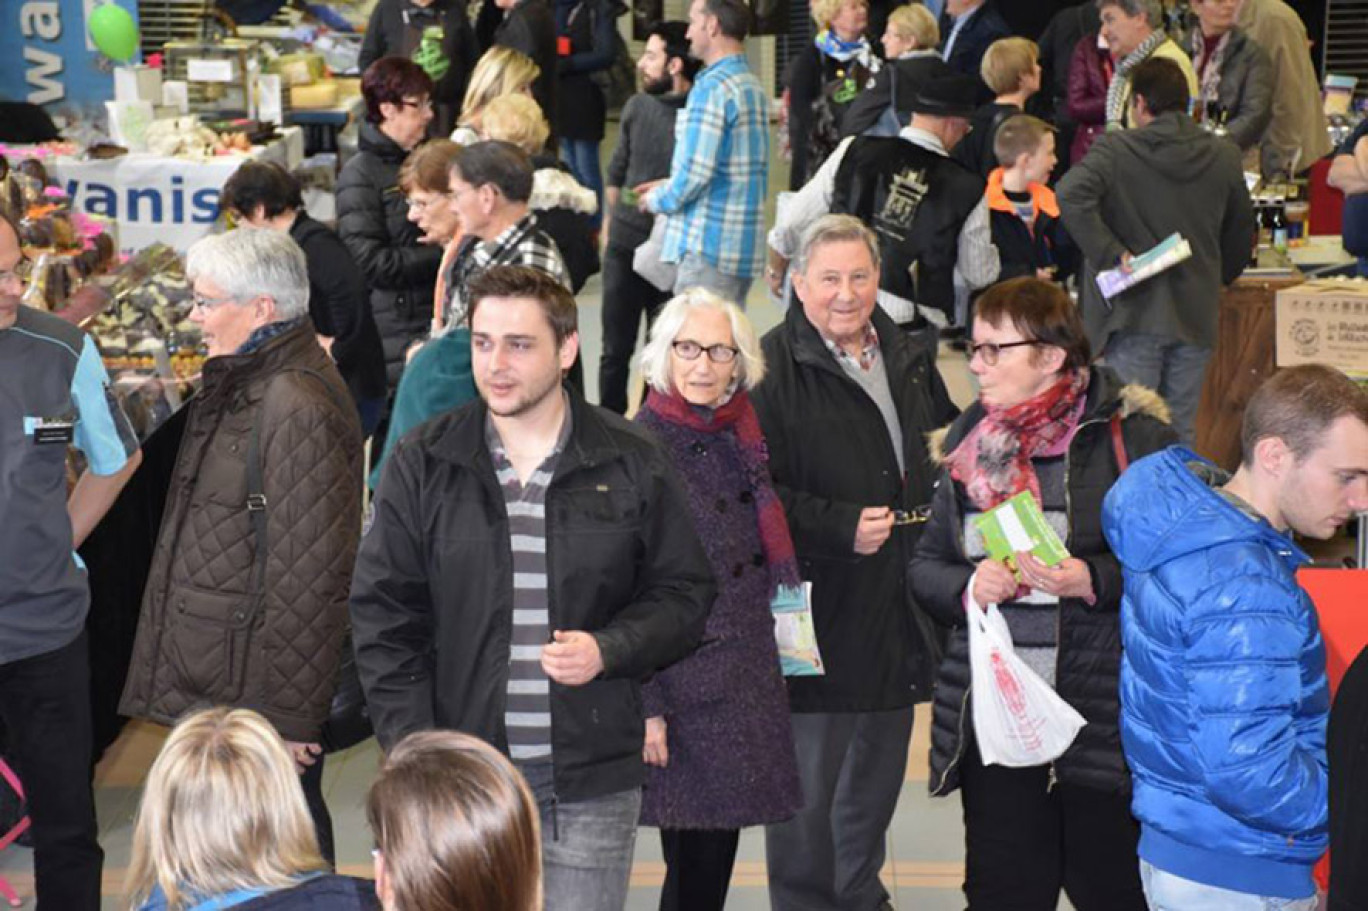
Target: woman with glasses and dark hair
(719,749)
(1049,423)
(372,213)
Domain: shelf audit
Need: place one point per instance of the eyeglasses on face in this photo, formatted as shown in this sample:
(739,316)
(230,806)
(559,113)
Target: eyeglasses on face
(718,354)
(990,351)
(421,205)
(20,273)
(209,303)
(422,104)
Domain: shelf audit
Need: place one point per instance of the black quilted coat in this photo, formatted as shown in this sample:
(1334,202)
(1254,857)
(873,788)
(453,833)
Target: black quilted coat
(372,220)
(1089,659)
(204,638)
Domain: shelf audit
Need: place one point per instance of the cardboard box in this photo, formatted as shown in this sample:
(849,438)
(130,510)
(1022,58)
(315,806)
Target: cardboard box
(1324,322)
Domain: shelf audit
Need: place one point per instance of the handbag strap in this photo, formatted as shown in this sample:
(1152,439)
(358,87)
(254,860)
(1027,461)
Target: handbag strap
(256,485)
(1119,444)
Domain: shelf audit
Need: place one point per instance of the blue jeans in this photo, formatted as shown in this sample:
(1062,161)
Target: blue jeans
(1166,892)
(697,272)
(582,157)
(1171,368)
(587,846)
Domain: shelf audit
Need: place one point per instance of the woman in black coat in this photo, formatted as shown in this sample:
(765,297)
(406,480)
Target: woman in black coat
(824,79)
(372,214)
(1045,422)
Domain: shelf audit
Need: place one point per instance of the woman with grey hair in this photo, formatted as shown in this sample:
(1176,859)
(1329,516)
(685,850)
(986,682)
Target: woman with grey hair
(719,749)
(246,599)
(1133,32)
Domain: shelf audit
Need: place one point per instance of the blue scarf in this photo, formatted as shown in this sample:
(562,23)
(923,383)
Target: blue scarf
(263,334)
(829,43)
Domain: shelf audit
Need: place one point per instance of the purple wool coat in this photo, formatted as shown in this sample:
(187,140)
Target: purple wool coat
(732,761)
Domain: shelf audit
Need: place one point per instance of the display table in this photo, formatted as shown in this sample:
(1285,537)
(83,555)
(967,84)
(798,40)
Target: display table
(154,198)
(1242,360)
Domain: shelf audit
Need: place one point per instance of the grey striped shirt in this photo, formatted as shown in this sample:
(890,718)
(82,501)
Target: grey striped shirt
(527,714)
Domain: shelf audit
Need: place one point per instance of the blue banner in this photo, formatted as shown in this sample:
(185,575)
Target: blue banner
(48,57)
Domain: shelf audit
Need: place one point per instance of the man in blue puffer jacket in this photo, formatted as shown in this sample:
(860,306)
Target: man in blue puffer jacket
(1223,689)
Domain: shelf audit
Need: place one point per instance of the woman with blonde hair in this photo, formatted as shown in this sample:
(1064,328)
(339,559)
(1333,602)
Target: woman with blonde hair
(824,79)
(719,745)
(909,42)
(455,827)
(501,71)
(223,824)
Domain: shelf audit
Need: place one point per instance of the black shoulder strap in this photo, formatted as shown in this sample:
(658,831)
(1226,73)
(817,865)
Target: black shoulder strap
(256,484)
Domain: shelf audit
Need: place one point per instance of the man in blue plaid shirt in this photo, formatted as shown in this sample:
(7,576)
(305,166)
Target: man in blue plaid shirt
(715,195)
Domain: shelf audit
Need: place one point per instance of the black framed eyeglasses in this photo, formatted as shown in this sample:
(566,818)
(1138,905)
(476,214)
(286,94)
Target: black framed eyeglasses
(718,354)
(989,351)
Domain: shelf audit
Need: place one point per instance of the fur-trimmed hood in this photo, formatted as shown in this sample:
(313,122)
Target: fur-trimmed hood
(1106,393)
(553,188)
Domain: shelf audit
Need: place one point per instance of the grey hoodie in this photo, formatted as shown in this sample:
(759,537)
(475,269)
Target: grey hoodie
(1135,188)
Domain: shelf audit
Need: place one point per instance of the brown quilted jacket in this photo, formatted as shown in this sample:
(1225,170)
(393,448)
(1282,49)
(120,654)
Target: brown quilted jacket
(204,637)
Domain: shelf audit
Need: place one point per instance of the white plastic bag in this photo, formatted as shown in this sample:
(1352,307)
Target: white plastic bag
(1019,720)
(646,260)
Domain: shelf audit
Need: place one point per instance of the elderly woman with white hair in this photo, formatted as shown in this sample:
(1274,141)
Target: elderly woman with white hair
(719,748)
(246,599)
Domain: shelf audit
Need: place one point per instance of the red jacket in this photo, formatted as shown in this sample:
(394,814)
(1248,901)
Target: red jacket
(1090,73)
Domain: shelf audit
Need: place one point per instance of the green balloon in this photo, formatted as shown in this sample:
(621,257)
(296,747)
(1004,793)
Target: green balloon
(113,31)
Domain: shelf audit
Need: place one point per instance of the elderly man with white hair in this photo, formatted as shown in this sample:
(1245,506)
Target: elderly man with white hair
(246,600)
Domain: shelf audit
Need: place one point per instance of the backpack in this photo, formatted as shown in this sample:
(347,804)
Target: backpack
(889,123)
(828,108)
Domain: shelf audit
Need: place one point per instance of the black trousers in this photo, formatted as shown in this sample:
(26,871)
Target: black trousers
(311,780)
(45,701)
(698,868)
(1026,840)
(626,296)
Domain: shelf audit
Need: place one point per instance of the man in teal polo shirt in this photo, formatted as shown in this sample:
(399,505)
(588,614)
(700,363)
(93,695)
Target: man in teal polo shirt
(54,394)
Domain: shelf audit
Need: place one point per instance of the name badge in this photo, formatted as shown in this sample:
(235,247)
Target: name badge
(50,431)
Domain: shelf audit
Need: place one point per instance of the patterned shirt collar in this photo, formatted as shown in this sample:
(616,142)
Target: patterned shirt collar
(869,349)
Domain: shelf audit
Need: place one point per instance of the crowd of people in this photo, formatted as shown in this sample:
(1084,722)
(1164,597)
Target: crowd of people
(561,621)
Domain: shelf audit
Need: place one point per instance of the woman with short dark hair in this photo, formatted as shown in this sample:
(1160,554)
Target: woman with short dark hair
(372,214)
(1049,423)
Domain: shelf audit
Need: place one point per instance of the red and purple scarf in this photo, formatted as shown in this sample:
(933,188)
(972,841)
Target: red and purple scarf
(738,416)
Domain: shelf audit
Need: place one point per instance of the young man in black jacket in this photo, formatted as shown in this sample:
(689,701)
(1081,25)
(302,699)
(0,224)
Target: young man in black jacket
(529,562)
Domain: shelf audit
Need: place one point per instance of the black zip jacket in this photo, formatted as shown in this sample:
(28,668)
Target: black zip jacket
(339,305)
(1089,656)
(372,220)
(432,595)
(830,457)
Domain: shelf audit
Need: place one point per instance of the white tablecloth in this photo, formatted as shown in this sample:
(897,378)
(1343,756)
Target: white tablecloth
(153,198)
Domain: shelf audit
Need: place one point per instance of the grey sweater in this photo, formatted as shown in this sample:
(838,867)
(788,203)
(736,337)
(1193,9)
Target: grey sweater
(645,147)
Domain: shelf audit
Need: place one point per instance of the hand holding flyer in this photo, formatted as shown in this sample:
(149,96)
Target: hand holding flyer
(1016,525)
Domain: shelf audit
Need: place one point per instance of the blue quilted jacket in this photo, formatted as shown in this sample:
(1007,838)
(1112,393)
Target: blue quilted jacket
(1223,690)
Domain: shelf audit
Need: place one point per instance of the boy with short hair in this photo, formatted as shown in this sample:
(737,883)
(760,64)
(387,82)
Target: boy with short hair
(1022,210)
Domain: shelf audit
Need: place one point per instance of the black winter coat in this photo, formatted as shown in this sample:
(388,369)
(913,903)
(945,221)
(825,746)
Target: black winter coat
(339,306)
(1089,656)
(396,29)
(830,458)
(372,220)
(1346,748)
(432,595)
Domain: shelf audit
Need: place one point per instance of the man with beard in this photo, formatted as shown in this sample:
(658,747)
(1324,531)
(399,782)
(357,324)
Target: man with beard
(645,146)
(529,562)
